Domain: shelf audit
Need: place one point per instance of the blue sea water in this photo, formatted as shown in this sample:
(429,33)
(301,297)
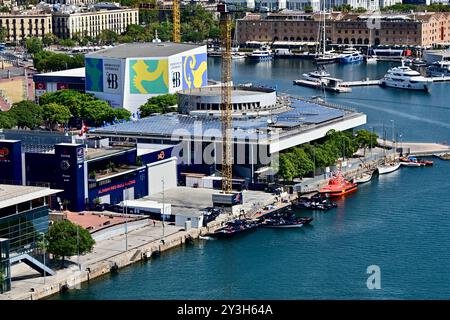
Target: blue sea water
(398,222)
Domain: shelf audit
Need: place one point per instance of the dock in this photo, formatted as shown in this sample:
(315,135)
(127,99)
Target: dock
(277,207)
(440,79)
(361,83)
(318,85)
(419,148)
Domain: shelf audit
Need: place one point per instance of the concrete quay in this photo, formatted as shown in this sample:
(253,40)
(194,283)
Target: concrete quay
(419,148)
(108,256)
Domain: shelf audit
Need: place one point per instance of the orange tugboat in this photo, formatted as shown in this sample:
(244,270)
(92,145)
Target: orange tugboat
(338,186)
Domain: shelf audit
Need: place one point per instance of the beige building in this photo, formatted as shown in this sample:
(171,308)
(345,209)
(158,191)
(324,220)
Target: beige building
(18,27)
(420,29)
(92,23)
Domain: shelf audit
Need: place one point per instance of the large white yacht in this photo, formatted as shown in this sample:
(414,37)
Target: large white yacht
(350,55)
(317,75)
(404,77)
(262,54)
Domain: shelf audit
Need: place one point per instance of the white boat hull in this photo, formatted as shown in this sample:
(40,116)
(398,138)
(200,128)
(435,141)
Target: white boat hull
(419,86)
(411,164)
(363,179)
(388,169)
(284,226)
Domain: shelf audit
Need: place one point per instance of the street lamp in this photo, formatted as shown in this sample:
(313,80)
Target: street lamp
(124,210)
(43,242)
(163,206)
(393,139)
(78,248)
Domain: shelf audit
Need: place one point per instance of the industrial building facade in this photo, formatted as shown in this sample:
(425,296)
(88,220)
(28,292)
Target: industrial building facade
(102,173)
(420,29)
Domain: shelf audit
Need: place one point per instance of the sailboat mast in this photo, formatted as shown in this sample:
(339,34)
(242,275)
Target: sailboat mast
(324,33)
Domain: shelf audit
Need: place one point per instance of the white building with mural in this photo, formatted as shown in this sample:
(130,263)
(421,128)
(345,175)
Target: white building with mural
(129,74)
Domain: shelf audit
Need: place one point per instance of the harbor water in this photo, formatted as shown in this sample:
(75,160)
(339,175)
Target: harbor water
(398,222)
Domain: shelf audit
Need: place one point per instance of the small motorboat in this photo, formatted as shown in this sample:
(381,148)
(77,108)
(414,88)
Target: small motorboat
(363,178)
(414,162)
(338,186)
(388,168)
(282,223)
(235,227)
(316,201)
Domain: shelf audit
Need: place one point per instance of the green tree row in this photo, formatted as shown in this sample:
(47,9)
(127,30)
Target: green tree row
(300,161)
(435,7)
(60,108)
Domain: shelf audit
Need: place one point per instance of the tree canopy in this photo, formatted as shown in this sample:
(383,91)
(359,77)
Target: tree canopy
(62,239)
(301,160)
(34,45)
(27,114)
(85,107)
(50,61)
(7,120)
(158,104)
(55,114)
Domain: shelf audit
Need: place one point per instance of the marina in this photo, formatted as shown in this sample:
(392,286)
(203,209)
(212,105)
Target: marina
(347,222)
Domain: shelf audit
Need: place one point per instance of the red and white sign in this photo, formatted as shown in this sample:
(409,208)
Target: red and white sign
(62,86)
(41,86)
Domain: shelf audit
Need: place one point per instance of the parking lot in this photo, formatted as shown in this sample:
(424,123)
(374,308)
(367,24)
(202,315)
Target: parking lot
(194,200)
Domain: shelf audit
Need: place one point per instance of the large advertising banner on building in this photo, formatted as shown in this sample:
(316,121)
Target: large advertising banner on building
(175,74)
(112,76)
(94,74)
(149,76)
(195,71)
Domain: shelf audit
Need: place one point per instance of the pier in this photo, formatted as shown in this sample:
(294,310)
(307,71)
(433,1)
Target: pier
(338,87)
(419,148)
(361,83)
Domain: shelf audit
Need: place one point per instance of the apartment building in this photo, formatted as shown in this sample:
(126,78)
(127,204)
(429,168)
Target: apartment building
(18,27)
(92,23)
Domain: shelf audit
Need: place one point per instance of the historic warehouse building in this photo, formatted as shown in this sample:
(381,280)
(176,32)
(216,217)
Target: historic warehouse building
(423,29)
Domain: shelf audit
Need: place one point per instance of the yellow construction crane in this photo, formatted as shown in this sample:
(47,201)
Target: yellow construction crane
(176,17)
(176,21)
(226,105)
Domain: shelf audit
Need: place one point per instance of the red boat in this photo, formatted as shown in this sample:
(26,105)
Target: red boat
(413,160)
(338,186)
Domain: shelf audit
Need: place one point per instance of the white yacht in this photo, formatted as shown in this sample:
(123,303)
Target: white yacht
(317,75)
(404,77)
(262,54)
(439,69)
(350,55)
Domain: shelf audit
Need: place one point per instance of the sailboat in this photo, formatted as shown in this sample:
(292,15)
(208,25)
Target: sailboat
(388,167)
(235,54)
(370,58)
(324,57)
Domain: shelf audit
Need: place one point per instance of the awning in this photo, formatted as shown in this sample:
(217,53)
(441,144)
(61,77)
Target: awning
(294,43)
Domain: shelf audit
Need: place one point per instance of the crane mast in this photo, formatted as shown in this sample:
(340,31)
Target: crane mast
(176,21)
(226,106)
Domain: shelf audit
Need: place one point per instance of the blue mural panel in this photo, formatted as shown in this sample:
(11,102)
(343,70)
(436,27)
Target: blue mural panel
(195,71)
(94,74)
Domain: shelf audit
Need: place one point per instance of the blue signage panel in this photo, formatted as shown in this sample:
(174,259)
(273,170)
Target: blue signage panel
(11,162)
(69,166)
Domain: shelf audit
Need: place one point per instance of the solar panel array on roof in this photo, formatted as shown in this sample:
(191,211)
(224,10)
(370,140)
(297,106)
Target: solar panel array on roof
(209,127)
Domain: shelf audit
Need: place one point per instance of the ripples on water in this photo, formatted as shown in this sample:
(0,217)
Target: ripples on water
(399,222)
